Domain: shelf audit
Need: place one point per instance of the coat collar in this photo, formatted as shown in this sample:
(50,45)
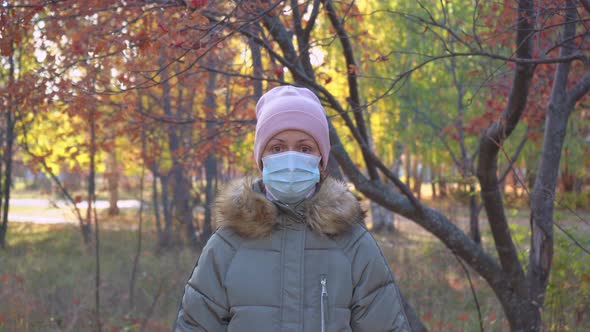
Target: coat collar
(242,207)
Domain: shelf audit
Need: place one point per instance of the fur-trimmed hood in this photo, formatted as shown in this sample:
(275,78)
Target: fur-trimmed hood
(331,211)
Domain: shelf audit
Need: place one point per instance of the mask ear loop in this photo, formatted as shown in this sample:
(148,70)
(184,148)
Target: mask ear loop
(324,174)
(262,187)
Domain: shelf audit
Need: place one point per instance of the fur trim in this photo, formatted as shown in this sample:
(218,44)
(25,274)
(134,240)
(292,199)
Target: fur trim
(331,211)
(248,213)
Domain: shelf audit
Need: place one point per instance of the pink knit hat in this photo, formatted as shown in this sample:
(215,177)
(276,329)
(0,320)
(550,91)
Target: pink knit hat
(288,107)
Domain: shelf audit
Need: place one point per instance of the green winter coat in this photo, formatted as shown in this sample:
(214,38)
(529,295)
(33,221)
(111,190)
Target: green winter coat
(270,267)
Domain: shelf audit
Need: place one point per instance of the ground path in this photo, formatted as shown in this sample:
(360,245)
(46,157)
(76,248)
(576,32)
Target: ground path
(46,211)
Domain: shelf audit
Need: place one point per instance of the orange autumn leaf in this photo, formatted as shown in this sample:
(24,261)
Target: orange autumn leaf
(427,316)
(353,70)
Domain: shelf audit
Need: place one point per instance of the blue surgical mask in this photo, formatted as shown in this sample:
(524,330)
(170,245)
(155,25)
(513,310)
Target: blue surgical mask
(290,176)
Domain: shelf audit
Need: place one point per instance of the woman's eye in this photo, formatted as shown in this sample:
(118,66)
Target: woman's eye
(276,149)
(305,149)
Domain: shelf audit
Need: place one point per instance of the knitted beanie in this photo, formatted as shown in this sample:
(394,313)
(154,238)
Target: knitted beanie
(288,107)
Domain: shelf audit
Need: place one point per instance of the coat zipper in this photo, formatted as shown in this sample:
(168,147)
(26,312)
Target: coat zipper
(324,302)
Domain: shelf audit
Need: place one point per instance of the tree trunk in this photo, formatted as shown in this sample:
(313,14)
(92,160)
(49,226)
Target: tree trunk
(91,187)
(256,63)
(211,161)
(156,204)
(408,164)
(3,223)
(181,183)
(418,175)
(112,177)
(433,179)
(91,214)
(567,177)
(166,238)
(531,175)
(135,264)
(6,154)
(561,105)
(578,185)
(6,143)
(377,217)
(182,204)
(521,314)
(474,215)
(210,185)
(442,186)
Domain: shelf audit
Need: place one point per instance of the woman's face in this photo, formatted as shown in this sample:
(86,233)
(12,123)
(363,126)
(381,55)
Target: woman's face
(291,140)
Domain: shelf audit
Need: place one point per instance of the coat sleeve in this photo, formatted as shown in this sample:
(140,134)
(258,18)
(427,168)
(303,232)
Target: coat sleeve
(204,305)
(376,301)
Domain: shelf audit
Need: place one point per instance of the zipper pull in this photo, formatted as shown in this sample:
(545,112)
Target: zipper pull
(324,302)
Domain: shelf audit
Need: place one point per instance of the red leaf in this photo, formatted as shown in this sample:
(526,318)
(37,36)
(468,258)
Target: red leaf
(199,3)
(279,71)
(382,58)
(427,316)
(162,27)
(198,45)
(177,43)
(5,47)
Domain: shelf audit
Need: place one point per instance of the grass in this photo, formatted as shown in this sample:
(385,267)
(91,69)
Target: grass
(435,283)
(47,279)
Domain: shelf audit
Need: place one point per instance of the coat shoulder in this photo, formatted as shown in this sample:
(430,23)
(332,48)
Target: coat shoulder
(361,242)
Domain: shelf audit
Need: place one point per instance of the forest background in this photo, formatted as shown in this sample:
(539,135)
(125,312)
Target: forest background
(466,122)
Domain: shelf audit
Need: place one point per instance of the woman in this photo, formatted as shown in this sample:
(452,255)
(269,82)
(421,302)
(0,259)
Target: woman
(291,252)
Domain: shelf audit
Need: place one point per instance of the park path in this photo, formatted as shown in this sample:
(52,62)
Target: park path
(45,211)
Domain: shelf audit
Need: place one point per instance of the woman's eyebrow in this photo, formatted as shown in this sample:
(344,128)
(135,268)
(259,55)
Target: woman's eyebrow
(303,140)
(278,139)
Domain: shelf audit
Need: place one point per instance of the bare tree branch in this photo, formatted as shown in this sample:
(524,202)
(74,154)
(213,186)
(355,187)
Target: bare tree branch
(543,197)
(312,19)
(586,5)
(492,139)
(514,157)
(353,86)
(473,293)
(430,219)
(579,90)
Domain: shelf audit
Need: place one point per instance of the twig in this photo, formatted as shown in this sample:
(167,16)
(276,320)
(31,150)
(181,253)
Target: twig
(563,230)
(572,238)
(472,291)
(140,222)
(152,306)
(512,160)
